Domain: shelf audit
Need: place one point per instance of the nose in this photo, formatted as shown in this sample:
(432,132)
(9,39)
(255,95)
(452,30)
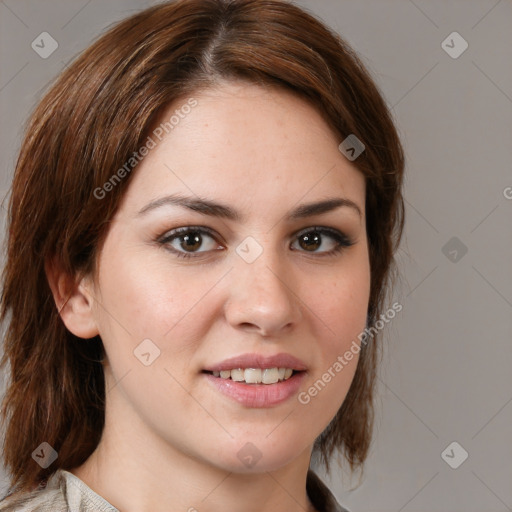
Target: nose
(262,298)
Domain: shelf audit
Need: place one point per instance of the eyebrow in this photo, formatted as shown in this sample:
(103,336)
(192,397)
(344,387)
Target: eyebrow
(214,209)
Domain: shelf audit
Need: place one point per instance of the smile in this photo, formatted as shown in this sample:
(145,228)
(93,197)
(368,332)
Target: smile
(257,394)
(255,375)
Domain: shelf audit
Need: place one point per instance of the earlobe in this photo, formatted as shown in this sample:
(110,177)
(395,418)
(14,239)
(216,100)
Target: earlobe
(73,300)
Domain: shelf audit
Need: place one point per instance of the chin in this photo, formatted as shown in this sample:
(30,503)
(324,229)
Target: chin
(258,454)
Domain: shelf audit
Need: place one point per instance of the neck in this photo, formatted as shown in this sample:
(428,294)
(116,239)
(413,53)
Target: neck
(130,484)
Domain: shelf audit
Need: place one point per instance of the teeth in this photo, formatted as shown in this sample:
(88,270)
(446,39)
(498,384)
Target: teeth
(252,376)
(255,375)
(237,375)
(270,376)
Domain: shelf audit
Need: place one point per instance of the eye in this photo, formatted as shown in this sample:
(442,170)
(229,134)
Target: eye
(184,242)
(331,240)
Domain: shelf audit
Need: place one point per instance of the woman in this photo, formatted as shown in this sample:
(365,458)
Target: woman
(202,226)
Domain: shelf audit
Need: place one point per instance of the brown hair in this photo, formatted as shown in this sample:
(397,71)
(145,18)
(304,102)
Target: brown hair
(97,113)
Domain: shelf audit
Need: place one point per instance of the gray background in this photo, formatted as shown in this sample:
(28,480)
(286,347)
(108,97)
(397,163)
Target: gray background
(446,374)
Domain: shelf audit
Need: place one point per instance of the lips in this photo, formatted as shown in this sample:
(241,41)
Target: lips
(261,361)
(257,395)
(268,393)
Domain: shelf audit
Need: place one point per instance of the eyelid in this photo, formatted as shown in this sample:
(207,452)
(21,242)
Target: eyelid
(174,233)
(321,229)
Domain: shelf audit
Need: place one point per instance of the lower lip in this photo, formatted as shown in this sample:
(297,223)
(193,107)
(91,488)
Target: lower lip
(258,395)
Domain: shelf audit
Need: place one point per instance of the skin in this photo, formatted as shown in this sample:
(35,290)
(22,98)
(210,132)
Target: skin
(170,441)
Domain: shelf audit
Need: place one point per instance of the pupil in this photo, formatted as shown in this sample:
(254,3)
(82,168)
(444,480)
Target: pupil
(195,241)
(312,240)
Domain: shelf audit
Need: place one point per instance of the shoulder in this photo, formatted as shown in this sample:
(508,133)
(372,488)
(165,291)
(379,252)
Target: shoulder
(63,492)
(320,495)
(50,498)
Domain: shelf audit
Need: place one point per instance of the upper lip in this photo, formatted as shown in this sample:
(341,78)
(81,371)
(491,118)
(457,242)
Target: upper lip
(258,361)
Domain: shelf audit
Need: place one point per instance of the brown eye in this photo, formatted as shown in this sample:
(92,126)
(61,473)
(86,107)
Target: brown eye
(186,242)
(330,240)
(310,241)
(191,242)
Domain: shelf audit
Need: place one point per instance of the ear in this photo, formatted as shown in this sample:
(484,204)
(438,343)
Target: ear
(73,300)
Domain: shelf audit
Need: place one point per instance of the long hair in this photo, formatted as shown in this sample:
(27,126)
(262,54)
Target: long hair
(96,114)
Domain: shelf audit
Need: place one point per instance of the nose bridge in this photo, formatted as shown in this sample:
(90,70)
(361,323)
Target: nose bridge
(262,268)
(261,291)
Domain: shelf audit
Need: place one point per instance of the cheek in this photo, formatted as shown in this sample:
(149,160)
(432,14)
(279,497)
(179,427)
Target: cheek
(144,298)
(339,307)
(340,317)
(341,303)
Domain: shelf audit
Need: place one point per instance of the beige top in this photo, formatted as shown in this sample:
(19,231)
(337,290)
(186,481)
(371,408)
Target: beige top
(65,492)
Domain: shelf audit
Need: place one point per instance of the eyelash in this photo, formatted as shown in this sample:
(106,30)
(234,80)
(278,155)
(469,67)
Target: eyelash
(343,240)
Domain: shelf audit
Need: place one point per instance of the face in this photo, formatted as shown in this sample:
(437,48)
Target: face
(185,290)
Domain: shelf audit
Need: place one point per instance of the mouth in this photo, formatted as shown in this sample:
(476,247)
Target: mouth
(252,376)
(257,380)
(256,387)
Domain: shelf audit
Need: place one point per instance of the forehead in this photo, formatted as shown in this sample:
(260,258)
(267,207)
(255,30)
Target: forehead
(244,143)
